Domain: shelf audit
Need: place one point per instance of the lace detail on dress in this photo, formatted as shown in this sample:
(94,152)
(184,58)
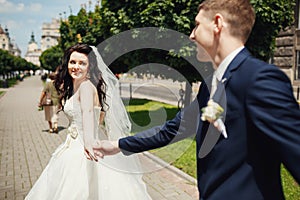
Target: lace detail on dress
(73,112)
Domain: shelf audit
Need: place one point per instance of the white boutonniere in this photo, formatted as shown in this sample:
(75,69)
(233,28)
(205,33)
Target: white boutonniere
(212,113)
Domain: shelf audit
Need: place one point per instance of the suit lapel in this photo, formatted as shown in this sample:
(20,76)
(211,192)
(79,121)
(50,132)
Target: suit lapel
(212,135)
(234,65)
(220,94)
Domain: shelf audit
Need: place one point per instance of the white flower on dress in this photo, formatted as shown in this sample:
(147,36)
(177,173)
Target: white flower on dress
(73,132)
(212,113)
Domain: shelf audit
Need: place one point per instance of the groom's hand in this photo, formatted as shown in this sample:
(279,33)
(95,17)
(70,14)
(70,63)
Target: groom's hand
(105,147)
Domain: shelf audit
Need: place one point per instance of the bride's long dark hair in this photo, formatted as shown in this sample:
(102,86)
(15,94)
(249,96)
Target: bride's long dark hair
(63,81)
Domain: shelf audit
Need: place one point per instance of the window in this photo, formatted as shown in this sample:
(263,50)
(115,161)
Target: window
(298,13)
(297,35)
(297,74)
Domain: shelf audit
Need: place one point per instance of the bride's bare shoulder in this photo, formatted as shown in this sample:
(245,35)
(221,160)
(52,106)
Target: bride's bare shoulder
(87,85)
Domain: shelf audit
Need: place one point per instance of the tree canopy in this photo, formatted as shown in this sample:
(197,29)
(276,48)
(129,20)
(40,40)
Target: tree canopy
(51,58)
(115,17)
(10,63)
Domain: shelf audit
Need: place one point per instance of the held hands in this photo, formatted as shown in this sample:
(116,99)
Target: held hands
(88,151)
(105,148)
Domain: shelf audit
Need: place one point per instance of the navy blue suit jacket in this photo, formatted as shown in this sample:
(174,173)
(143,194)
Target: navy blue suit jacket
(263,125)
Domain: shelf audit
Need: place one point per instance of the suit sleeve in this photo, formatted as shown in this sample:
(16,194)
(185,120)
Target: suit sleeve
(183,125)
(275,113)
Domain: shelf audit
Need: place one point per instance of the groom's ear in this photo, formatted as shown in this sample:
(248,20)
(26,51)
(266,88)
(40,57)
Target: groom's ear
(218,23)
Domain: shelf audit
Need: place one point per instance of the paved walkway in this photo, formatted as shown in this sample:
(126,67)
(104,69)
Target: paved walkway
(26,147)
(163,90)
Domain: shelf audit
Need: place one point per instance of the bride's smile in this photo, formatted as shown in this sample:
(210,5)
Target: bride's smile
(78,66)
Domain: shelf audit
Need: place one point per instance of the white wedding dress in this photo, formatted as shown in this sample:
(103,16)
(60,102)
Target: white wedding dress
(69,175)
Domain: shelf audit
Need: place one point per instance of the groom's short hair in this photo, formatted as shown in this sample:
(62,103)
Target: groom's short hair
(239,14)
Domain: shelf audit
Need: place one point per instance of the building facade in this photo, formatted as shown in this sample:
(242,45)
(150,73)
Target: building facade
(287,51)
(7,44)
(33,52)
(4,39)
(50,34)
(15,50)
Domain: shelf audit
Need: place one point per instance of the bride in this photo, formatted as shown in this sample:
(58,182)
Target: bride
(90,92)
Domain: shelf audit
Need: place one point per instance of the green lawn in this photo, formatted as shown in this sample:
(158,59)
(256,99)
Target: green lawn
(11,82)
(146,114)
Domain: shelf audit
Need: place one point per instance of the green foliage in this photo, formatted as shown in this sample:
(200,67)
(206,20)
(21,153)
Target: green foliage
(187,161)
(6,61)
(51,58)
(145,114)
(73,29)
(10,63)
(12,82)
(271,17)
(85,27)
(290,187)
(175,15)
(115,17)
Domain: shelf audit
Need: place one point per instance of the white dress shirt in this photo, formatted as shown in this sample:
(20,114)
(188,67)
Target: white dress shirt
(219,72)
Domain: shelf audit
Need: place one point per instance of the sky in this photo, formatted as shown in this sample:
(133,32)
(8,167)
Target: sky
(22,17)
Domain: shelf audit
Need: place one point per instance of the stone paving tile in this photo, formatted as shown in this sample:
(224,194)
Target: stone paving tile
(26,147)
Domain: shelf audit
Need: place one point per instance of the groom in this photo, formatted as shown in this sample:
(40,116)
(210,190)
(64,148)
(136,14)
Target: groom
(262,118)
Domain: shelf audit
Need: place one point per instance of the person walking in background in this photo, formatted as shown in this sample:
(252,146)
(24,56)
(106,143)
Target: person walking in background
(89,90)
(239,157)
(49,100)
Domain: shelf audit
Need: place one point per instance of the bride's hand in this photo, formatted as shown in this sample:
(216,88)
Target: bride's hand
(88,152)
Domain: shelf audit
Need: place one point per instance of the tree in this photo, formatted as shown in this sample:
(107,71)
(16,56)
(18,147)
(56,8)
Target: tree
(125,15)
(115,17)
(73,29)
(51,58)
(272,16)
(85,27)
(10,63)
(6,62)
